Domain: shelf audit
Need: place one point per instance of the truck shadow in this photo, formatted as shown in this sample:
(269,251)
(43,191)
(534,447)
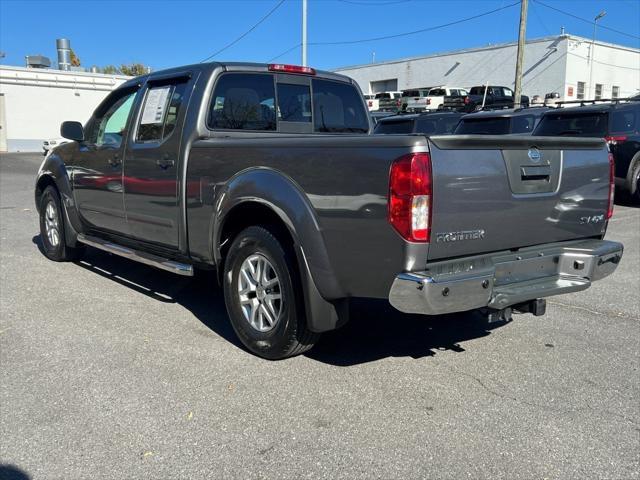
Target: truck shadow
(375,330)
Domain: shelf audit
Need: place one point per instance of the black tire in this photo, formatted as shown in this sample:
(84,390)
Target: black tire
(289,334)
(54,242)
(634,187)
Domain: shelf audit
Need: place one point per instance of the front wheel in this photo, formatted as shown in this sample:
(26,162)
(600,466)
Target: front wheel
(54,242)
(263,296)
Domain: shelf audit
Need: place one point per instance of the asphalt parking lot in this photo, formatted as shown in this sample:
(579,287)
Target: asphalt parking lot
(110,369)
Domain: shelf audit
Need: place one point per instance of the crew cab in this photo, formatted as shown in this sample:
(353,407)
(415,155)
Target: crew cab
(269,175)
(484,96)
(617,122)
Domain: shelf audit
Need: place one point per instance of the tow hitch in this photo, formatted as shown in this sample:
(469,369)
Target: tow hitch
(537,307)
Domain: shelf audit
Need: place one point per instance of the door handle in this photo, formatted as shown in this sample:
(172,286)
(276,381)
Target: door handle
(115,160)
(165,163)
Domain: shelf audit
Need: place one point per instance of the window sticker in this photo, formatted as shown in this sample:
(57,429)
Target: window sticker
(155,105)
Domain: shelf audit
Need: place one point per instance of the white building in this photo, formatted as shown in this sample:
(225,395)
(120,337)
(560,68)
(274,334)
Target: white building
(35,101)
(562,64)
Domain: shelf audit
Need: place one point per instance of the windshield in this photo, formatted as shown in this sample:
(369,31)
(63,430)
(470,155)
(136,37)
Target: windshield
(578,124)
(484,126)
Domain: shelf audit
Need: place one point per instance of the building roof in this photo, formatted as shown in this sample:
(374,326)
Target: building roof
(496,46)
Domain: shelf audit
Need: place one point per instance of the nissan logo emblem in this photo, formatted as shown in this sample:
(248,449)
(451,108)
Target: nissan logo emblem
(534,154)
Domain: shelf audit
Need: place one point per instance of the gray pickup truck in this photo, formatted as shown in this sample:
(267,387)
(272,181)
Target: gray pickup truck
(269,174)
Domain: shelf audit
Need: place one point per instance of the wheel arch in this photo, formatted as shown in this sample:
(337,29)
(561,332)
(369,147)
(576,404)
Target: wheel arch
(266,197)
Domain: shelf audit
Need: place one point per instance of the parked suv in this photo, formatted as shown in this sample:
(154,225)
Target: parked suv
(501,122)
(484,96)
(618,123)
(433,123)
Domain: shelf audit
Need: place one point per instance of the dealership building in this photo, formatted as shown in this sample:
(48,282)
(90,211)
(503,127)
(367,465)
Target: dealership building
(35,101)
(574,67)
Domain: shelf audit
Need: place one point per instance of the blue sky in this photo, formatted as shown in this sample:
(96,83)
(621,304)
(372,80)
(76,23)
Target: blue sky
(165,33)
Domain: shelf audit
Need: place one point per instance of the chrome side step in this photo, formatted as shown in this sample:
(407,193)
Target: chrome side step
(141,257)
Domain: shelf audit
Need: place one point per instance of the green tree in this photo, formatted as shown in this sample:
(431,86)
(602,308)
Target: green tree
(133,69)
(110,70)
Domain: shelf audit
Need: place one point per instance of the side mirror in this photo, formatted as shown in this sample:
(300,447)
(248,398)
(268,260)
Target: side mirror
(72,131)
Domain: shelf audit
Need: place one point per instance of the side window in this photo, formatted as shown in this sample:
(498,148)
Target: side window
(243,101)
(623,121)
(338,108)
(294,103)
(160,112)
(506,92)
(108,128)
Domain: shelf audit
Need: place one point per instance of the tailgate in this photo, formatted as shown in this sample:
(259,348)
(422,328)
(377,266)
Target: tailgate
(495,193)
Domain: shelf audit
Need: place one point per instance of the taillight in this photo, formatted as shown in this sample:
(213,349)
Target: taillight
(466,100)
(410,197)
(612,186)
(398,103)
(371,103)
(279,67)
(615,139)
(428,101)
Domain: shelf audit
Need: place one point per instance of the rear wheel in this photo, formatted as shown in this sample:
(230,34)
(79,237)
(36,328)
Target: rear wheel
(635,183)
(263,296)
(52,232)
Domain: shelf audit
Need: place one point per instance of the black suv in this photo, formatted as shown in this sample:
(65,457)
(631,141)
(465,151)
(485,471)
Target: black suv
(617,122)
(430,123)
(521,121)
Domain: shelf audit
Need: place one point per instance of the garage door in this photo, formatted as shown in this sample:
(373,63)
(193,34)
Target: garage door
(384,86)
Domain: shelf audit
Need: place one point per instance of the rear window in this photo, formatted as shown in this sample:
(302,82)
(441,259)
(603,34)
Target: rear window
(338,108)
(437,125)
(484,126)
(437,92)
(578,124)
(523,124)
(383,95)
(411,93)
(477,91)
(623,121)
(404,126)
(247,101)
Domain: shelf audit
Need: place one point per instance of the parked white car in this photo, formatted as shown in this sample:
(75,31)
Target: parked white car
(47,145)
(415,99)
(372,102)
(435,97)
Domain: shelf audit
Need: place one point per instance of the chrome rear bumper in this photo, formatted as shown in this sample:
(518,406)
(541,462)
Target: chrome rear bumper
(503,279)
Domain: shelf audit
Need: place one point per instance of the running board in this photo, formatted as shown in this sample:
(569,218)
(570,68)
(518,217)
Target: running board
(141,257)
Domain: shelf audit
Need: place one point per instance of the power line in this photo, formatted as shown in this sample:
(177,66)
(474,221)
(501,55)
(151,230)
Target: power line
(245,33)
(590,22)
(373,4)
(603,63)
(285,52)
(428,29)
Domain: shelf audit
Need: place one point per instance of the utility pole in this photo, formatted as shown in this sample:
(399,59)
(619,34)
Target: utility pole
(520,56)
(304,33)
(593,46)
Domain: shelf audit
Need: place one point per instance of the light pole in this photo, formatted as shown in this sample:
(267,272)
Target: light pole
(593,44)
(304,33)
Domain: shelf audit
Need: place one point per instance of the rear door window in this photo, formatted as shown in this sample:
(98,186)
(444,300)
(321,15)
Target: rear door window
(585,124)
(338,108)
(243,101)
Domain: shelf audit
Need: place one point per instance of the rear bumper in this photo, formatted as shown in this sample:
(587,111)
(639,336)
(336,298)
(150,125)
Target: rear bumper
(503,279)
